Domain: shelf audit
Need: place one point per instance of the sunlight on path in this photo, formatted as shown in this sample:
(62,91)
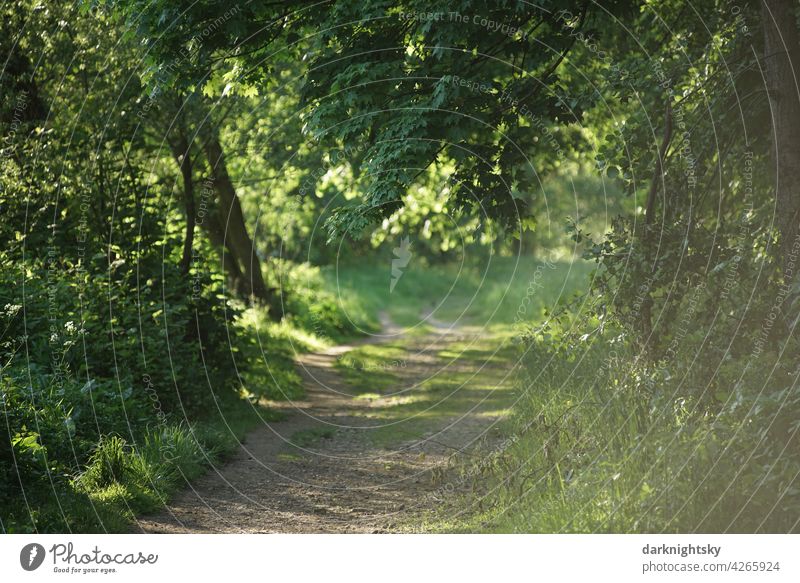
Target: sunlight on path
(367,446)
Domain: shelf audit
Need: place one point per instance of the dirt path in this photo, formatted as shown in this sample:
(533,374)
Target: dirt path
(341,462)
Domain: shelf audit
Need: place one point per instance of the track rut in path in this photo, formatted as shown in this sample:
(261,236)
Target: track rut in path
(345,460)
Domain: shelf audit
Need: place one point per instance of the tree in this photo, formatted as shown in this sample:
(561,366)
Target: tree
(781,65)
(466,83)
(499,90)
(235,233)
(182,152)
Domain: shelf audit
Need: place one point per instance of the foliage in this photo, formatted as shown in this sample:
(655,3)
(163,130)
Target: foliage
(604,442)
(167,168)
(108,347)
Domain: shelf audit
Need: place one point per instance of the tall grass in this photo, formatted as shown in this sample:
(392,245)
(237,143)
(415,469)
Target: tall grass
(601,442)
(122,480)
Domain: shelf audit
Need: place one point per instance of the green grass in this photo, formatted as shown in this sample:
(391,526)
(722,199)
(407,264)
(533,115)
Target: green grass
(428,407)
(372,368)
(588,445)
(121,478)
(495,303)
(124,480)
(414,410)
(587,450)
(271,349)
(507,290)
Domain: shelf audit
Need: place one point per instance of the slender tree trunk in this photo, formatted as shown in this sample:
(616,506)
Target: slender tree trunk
(782,73)
(183,156)
(648,240)
(213,228)
(235,229)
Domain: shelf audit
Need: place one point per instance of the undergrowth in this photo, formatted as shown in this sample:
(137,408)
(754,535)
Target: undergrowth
(89,448)
(603,440)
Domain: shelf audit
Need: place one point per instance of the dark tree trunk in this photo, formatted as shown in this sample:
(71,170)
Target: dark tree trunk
(213,227)
(648,240)
(235,234)
(183,157)
(782,70)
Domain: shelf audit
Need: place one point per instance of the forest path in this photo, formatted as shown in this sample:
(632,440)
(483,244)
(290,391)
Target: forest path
(357,455)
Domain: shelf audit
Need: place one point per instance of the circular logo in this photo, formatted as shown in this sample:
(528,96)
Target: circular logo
(31,556)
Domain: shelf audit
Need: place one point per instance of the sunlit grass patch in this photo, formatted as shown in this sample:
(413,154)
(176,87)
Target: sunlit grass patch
(373,367)
(493,348)
(270,349)
(429,406)
(123,479)
(504,291)
(367,397)
(291,457)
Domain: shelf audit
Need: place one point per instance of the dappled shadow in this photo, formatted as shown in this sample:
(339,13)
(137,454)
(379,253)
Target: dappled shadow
(348,457)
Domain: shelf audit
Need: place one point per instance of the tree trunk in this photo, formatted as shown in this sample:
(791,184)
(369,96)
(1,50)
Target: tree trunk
(782,71)
(651,261)
(213,227)
(183,157)
(235,232)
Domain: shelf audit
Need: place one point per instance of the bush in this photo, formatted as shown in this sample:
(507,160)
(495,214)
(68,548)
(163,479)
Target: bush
(98,351)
